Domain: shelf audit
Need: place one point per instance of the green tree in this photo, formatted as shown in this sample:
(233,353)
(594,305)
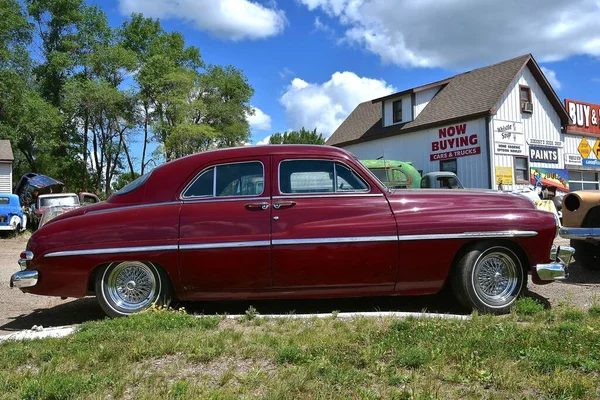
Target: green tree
(303,136)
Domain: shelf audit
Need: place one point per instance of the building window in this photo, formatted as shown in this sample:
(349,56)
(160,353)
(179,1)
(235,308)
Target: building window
(397,109)
(449,165)
(521,170)
(583,180)
(525,97)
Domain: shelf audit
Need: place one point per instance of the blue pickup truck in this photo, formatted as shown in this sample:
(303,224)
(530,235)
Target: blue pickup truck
(12,218)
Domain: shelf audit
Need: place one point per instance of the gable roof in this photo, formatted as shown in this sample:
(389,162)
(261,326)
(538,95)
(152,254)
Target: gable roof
(6,153)
(472,94)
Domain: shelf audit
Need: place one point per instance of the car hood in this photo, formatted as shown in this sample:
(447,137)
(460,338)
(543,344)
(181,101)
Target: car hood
(431,200)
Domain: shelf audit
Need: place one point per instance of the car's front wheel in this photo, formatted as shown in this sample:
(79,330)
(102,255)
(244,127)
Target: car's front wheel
(586,254)
(128,287)
(488,278)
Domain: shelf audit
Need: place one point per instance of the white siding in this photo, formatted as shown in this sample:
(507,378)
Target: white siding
(388,111)
(423,98)
(543,123)
(5,178)
(416,147)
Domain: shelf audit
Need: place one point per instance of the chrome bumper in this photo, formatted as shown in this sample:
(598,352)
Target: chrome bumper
(23,279)
(559,268)
(580,233)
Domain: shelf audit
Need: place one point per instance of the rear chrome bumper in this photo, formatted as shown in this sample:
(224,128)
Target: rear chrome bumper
(580,233)
(24,279)
(559,268)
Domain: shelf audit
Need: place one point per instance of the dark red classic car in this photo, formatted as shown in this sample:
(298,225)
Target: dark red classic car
(289,222)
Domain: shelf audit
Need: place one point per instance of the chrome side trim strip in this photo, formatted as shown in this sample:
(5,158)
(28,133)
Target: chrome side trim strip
(113,250)
(169,203)
(262,243)
(470,235)
(337,240)
(213,200)
(317,196)
(200,246)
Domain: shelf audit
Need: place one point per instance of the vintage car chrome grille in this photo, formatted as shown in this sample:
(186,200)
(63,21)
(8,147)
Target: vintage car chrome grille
(3,219)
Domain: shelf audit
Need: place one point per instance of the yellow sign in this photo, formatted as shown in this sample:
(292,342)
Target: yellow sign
(597,149)
(504,175)
(584,148)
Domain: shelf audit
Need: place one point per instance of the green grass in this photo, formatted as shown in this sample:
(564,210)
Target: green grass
(531,353)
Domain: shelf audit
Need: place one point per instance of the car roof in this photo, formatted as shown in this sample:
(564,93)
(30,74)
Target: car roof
(9,195)
(57,195)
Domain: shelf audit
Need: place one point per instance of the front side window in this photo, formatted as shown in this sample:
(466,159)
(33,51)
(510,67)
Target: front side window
(238,179)
(318,176)
(397,106)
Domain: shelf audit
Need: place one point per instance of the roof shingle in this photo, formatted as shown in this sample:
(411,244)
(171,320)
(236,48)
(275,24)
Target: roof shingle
(470,94)
(6,153)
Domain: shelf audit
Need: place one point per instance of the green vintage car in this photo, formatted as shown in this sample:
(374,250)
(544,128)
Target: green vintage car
(394,174)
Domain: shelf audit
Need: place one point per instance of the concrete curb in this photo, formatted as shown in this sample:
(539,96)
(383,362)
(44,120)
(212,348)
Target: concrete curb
(348,315)
(40,333)
(62,331)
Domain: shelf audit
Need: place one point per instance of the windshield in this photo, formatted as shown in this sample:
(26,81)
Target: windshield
(59,201)
(372,173)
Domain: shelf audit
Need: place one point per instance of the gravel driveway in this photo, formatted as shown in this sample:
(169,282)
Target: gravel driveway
(22,311)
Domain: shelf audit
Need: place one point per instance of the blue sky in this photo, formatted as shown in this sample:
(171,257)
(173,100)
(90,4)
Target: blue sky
(312,61)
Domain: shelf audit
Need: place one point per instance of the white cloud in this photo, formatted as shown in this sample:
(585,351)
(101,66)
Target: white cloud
(264,141)
(466,33)
(285,72)
(259,120)
(320,26)
(325,105)
(227,19)
(551,76)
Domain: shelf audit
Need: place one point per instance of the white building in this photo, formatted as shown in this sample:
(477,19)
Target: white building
(6,159)
(498,124)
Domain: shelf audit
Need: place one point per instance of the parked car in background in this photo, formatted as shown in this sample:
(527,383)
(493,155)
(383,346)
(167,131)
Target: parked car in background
(394,174)
(12,218)
(581,224)
(291,221)
(441,180)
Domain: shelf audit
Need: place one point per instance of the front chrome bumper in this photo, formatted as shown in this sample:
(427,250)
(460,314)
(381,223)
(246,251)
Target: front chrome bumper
(23,279)
(580,233)
(559,268)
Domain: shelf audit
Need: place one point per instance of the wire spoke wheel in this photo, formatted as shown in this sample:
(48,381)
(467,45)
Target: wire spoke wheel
(495,278)
(131,286)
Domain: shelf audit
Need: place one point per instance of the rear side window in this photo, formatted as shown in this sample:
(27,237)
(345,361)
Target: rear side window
(237,179)
(130,187)
(318,176)
(4,201)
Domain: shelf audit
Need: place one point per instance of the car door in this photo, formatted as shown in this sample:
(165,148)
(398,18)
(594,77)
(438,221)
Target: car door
(332,228)
(225,228)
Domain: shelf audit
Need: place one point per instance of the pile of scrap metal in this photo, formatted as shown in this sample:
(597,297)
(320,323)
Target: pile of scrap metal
(43,198)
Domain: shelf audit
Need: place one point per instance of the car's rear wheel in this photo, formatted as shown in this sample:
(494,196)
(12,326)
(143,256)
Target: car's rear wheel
(586,254)
(488,278)
(129,287)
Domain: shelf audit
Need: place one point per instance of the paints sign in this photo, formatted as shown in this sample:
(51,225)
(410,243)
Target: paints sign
(585,117)
(543,154)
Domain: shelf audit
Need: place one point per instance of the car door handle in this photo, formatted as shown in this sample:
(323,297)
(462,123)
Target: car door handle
(284,204)
(257,206)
